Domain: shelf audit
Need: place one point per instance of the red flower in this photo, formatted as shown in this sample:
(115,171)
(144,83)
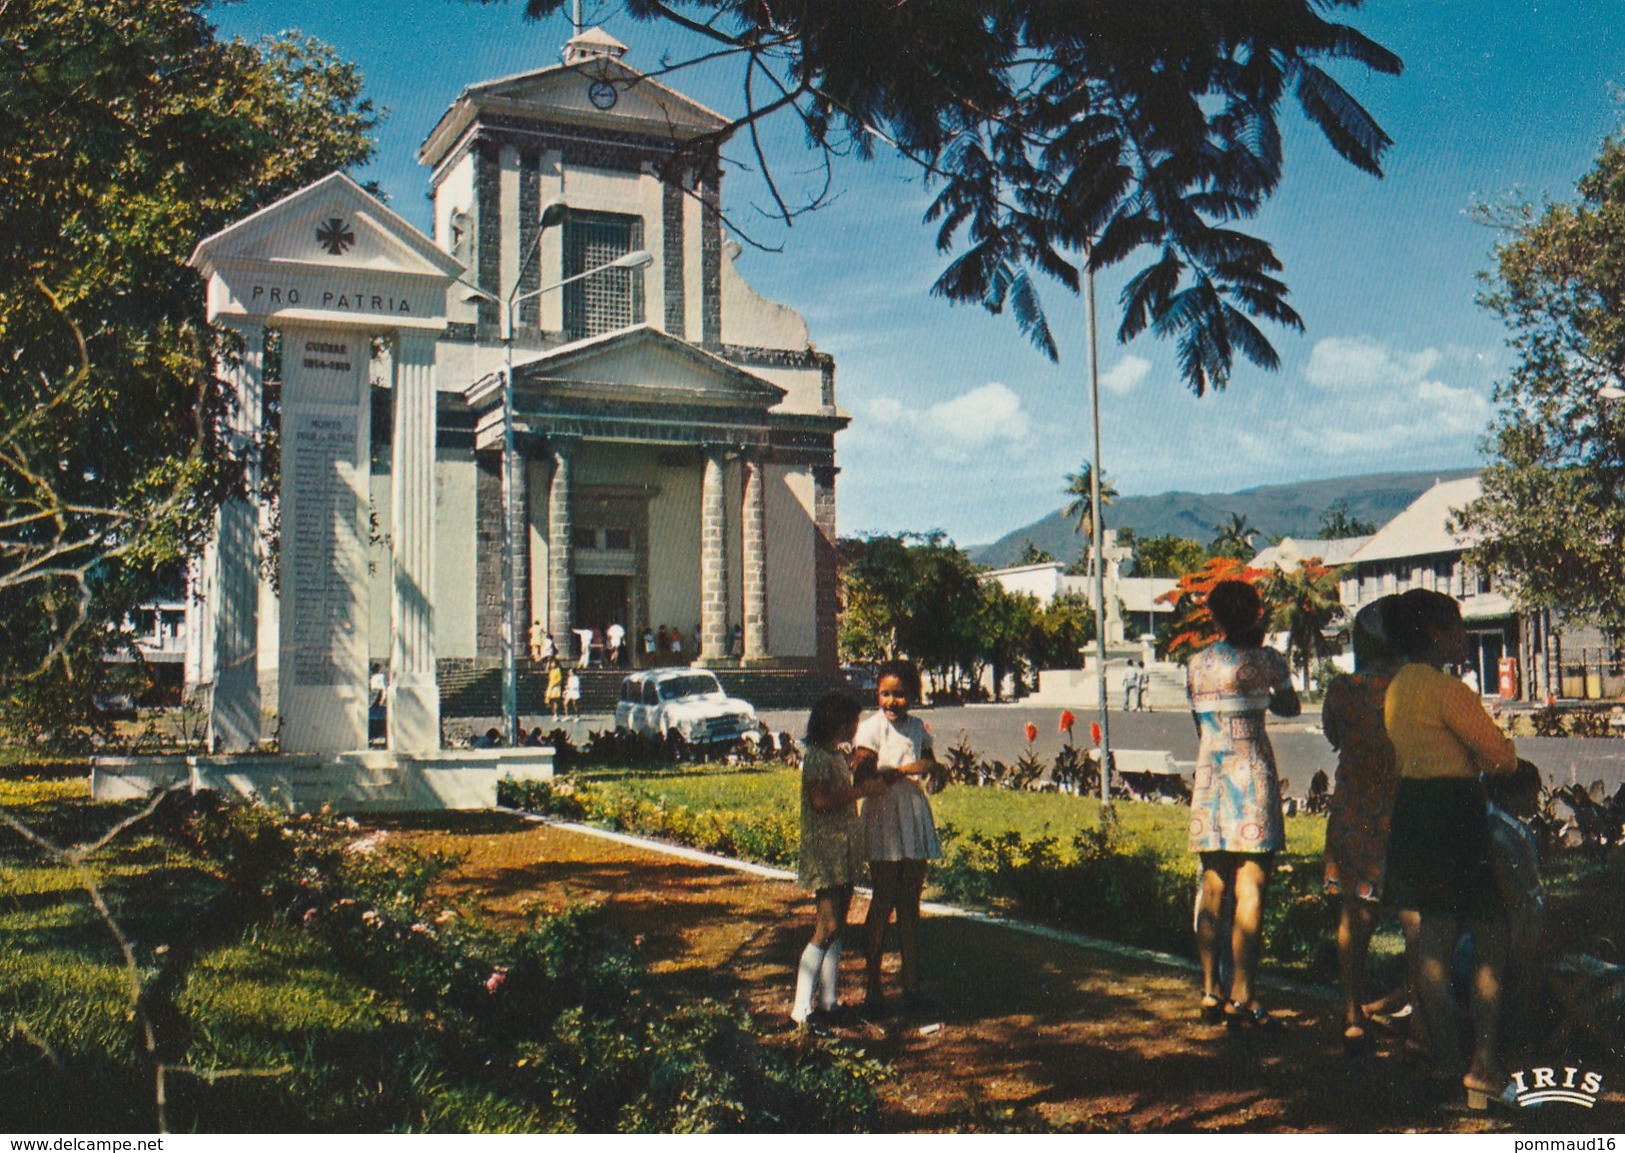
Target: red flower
(1094,731)
(1032,732)
(1067,721)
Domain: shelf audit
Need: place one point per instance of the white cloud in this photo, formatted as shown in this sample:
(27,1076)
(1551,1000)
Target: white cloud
(884,410)
(956,430)
(1372,399)
(977,419)
(1126,375)
(1339,362)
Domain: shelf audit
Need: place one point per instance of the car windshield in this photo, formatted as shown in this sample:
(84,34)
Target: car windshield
(692,685)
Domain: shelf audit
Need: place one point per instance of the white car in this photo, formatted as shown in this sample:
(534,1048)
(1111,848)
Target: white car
(686,701)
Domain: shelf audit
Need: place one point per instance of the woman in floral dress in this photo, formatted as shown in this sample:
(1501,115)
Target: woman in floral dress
(1362,806)
(1236,804)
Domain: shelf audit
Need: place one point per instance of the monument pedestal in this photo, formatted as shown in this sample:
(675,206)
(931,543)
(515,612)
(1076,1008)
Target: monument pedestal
(362,782)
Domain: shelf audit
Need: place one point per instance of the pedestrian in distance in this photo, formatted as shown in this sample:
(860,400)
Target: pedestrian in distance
(831,853)
(572,695)
(900,834)
(555,687)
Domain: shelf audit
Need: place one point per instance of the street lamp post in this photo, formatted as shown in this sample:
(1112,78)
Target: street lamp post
(1099,554)
(553,214)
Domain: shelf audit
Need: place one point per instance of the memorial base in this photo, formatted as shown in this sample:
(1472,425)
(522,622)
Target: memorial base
(360,782)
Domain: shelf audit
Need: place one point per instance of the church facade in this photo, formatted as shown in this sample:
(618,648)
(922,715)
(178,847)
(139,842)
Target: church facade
(673,432)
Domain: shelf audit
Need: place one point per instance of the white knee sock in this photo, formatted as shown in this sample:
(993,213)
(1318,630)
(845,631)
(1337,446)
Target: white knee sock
(812,958)
(829,975)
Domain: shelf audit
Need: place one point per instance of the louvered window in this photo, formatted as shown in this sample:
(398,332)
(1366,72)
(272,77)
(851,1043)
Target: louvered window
(609,299)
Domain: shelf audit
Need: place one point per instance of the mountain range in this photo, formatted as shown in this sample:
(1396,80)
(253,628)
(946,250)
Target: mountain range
(1274,510)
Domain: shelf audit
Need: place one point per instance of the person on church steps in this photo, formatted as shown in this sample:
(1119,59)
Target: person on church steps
(1439,872)
(1236,822)
(899,833)
(831,852)
(555,687)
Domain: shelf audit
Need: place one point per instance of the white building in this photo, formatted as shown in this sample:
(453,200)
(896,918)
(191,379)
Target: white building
(1422,548)
(675,431)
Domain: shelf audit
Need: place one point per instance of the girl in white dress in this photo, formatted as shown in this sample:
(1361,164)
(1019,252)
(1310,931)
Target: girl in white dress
(899,832)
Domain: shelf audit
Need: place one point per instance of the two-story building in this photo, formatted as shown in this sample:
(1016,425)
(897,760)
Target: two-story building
(1423,548)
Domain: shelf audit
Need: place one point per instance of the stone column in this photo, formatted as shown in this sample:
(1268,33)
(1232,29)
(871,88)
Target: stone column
(414,695)
(754,540)
(561,553)
(713,639)
(826,580)
(234,715)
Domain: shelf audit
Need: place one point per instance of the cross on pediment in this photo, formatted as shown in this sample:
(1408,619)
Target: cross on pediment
(335,236)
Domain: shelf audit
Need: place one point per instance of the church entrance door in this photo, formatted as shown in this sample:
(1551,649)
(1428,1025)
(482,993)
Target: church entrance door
(602,601)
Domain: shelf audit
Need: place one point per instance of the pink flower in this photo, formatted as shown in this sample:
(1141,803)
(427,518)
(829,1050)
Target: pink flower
(495,980)
(310,915)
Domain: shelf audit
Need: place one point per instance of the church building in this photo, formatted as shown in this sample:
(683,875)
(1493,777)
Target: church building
(672,431)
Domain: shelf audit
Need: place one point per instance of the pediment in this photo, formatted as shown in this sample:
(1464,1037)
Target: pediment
(643,365)
(562,94)
(330,247)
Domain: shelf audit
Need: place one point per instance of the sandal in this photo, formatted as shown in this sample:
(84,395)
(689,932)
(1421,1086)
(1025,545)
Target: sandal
(1251,1016)
(1481,1095)
(1211,1011)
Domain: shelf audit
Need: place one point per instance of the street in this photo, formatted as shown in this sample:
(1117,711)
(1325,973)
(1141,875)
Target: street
(996,732)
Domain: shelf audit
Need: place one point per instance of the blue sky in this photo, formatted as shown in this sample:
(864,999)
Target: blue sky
(958,424)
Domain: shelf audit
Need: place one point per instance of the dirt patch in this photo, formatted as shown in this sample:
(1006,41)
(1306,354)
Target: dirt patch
(1036,1034)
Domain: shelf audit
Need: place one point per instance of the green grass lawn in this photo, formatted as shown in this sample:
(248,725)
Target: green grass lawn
(989,811)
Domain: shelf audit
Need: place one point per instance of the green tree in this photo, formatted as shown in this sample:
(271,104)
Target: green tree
(1167,556)
(1337,523)
(1032,554)
(1081,507)
(1005,625)
(1055,129)
(1551,517)
(1303,603)
(130,132)
(1234,538)
(1063,628)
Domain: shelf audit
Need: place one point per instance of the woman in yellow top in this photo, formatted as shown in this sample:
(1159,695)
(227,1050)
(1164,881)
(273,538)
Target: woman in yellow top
(1439,872)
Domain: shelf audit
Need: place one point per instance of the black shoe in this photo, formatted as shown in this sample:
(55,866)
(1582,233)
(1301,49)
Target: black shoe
(1251,1016)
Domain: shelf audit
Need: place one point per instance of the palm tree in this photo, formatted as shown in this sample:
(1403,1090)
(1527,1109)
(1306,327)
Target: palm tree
(1234,539)
(1303,603)
(1079,507)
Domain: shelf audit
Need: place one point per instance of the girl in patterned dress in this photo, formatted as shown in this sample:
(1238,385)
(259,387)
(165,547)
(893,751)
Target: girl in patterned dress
(899,832)
(1236,803)
(831,851)
(1362,806)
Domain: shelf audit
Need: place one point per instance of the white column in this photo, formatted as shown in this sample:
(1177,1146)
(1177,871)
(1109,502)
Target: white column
(753,538)
(234,714)
(414,695)
(713,638)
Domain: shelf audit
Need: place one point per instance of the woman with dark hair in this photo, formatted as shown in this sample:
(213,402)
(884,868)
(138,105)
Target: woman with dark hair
(1439,867)
(1236,804)
(1362,805)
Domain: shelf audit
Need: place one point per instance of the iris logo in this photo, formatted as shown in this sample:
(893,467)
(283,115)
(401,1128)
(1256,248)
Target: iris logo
(1543,1086)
